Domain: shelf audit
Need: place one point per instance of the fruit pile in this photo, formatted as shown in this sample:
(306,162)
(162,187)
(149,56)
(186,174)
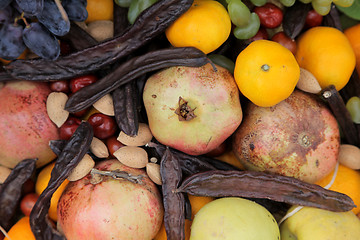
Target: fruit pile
(179,119)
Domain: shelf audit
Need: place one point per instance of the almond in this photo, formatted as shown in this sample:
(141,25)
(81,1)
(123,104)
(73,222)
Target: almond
(135,157)
(307,82)
(153,171)
(55,106)
(82,169)
(143,137)
(105,105)
(99,148)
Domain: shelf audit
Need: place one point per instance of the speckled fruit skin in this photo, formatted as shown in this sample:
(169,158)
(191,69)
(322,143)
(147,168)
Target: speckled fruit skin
(25,128)
(299,137)
(112,208)
(213,95)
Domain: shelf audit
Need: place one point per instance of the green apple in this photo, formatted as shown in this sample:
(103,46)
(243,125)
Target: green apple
(234,218)
(319,224)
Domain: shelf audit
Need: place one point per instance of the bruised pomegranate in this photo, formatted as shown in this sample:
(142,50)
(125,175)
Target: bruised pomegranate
(102,207)
(299,137)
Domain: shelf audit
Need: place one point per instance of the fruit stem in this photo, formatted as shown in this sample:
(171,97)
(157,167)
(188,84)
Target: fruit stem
(265,67)
(118,174)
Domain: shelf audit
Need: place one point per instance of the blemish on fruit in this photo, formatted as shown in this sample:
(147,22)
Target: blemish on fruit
(153,96)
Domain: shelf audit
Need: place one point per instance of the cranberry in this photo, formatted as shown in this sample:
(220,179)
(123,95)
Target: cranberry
(60,86)
(270,15)
(69,127)
(28,202)
(113,144)
(79,82)
(261,34)
(104,126)
(313,19)
(80,113)
(285,40)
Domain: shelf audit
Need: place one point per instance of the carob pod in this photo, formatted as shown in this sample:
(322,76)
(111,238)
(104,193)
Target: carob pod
(79,38)
(150,23)
(294,19)
(336,103)
(332,19)
(70,156)
(11,190)
(120,19)
(132,69)
(57,146)
(352,88)
(174,202)
(252,184)
(125,108)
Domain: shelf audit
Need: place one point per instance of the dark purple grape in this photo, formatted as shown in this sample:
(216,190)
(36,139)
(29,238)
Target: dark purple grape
(6,14)
(4,3)
(75,9)
(53,20)
(39,40)
(31,7)
(11,42)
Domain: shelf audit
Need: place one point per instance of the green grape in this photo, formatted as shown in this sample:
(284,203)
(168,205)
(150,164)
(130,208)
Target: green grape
(323,3)
(123,3)
(136,7)
(322,10)
(344,3)
(353,106)
(287,3)
(239,13)
(250,30)
(258,3)
(305,1)
(223,61)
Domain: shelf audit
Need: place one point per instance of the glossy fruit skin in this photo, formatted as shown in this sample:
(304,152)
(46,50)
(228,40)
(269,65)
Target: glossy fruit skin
(327,54)
(104,126)
(206,25)
(270,15)
(111,208)
(284,40)
(270,77)
(260,35)
(60,86)
(211,95)
(299,137)
(69,127)
(25,126)
(28,202)
(353,34)
(113,144)
(79,82)
(313,19)
(21,230)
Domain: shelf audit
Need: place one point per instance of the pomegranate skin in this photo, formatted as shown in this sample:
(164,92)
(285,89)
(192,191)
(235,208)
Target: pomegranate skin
(299,137)
(105,208)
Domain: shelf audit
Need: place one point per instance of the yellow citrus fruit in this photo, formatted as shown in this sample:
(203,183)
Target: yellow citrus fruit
(266,72)
(21,230)
(206,26)
(353,35)
(161,235)
(347,181)
(197,202)
(230,158)
(327,54)
(99,10)
(42,182)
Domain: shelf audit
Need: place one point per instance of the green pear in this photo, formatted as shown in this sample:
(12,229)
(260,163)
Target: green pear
(234,218)
(314,223)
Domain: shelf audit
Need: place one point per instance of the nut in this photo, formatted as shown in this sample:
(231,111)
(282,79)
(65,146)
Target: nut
(105,105)
(153,171)
(99,148)
(101,29)
(143,137)
(349,156)
(55,106)
(82,169)
(135,157)
(307,82)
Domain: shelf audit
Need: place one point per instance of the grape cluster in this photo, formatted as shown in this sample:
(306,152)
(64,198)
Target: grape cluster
(36,24)
(323,6)
(135,7)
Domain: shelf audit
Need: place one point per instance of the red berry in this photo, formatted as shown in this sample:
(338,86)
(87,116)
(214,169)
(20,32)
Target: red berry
(69,127)
(79,82)
(270,15)
(261,34)
(313,19)
(27,203)
(113,144)
(285,40)
(60,86)
(104,126)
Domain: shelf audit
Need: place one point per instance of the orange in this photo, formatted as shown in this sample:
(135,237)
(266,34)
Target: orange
(206,26)
(42,182)
(230,158)
(266,72)
(99,10)
(21,230)
(327,54)
(347,181)
(161,235)
(22,56)
(353,35)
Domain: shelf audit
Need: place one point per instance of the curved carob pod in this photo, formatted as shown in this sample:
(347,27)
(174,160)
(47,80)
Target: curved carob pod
(332,19)
(333,98)
(132,69)
(174,202)
(11,190)
(70,156)
(125,108)
(252,184)
(150,23)
(79,38)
